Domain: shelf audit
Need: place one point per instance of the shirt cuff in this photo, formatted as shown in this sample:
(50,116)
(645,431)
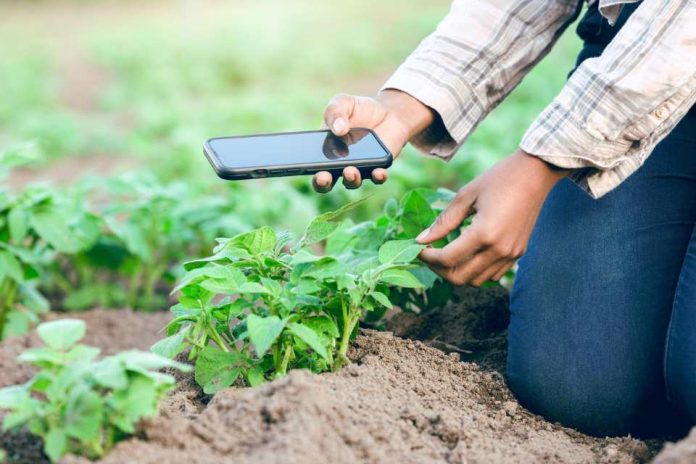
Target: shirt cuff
(598,165)
(454,119)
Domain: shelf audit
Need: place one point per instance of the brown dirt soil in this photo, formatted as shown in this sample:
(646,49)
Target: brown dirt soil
(474,324)
(400,401)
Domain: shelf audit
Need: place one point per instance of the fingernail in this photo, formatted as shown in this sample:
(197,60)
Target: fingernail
(339,124)
(422,236)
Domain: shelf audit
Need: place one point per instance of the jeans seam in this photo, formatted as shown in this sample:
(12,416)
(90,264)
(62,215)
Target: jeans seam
(670,329)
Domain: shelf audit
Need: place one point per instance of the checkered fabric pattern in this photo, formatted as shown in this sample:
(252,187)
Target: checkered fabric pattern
(612,111)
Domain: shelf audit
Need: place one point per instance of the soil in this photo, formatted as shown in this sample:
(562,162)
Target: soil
(473,324)
(400,401)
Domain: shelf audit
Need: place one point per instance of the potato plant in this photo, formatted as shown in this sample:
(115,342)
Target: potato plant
(35,226)
(404,219)
(263,304)
(78,403)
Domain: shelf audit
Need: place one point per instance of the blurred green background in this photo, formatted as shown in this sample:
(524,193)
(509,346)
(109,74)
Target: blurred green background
(110,86)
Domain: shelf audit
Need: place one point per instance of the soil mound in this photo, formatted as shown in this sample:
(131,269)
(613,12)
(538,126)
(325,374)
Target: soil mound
(400,402)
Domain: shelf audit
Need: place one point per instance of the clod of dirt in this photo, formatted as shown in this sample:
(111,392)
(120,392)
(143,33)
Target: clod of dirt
(400,401)
(682,452)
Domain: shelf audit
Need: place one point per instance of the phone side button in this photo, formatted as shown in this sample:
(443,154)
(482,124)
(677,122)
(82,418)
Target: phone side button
(277,171)
(293,171)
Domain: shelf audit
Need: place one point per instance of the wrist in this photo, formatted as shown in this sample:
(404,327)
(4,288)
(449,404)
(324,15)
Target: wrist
(543,174)
(413,114)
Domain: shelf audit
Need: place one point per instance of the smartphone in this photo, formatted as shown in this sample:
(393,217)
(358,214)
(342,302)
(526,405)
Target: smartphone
(295,153)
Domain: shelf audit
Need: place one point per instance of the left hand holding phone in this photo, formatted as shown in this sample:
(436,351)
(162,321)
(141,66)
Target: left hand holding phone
(394,115)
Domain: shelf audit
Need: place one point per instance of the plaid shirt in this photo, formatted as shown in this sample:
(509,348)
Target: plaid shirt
(612,111)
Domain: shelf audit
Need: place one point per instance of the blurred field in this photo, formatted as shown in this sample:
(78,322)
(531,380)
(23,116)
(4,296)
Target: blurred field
(117,85)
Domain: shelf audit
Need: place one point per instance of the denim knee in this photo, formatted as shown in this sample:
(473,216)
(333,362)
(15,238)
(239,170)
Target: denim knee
(585,402)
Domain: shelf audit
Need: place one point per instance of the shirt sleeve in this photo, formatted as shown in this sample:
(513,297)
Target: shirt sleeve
(615,108)
(476,57)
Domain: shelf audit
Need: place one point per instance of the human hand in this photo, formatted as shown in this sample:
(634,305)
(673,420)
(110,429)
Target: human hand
(506,199)
(394,115)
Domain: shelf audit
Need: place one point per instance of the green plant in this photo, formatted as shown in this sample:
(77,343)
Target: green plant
(35,226)
(264,304)
(80,404)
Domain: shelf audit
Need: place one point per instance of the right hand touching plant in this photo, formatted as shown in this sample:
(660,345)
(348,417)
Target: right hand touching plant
(394,115)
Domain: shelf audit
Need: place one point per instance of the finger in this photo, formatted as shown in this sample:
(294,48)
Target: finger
(503,270)
(451,218)
(322,182)
(337,113)
(465,272)
(351,177)
(379,176)
(490,273)
(454,253)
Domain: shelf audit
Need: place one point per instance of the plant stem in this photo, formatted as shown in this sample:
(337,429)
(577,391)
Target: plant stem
(286,359)
(349,321)
(8,290)
(134,286)
(216,337)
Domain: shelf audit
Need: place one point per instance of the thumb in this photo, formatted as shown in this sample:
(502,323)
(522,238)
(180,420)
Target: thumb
(451,218)
(338,113)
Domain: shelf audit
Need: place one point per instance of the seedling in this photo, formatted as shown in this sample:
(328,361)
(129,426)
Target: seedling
(264,304)
(80,404)
(35,226)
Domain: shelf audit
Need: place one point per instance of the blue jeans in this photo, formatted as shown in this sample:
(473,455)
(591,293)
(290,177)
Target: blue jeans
(602,333)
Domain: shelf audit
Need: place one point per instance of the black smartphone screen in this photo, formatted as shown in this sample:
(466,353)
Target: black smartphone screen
(298,148)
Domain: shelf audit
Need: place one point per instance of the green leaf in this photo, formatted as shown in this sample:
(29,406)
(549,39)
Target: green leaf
(143,361)
(252,287)
(306,287)
(62,334)
(55,444)
(13,395)
(18,221)
(32,299)
(310,337)
(417,214)
(51,225)
(169,347)
(216,369)
(41,356)
(303,256)
(10,267)
(139,400)
(110,373)
(256,242)
(382,299)
(255,377)
(399,251)
(400,278)
(263,331)
(425,275)
(323,325)
(83,414)
(325,224)
(391,208)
